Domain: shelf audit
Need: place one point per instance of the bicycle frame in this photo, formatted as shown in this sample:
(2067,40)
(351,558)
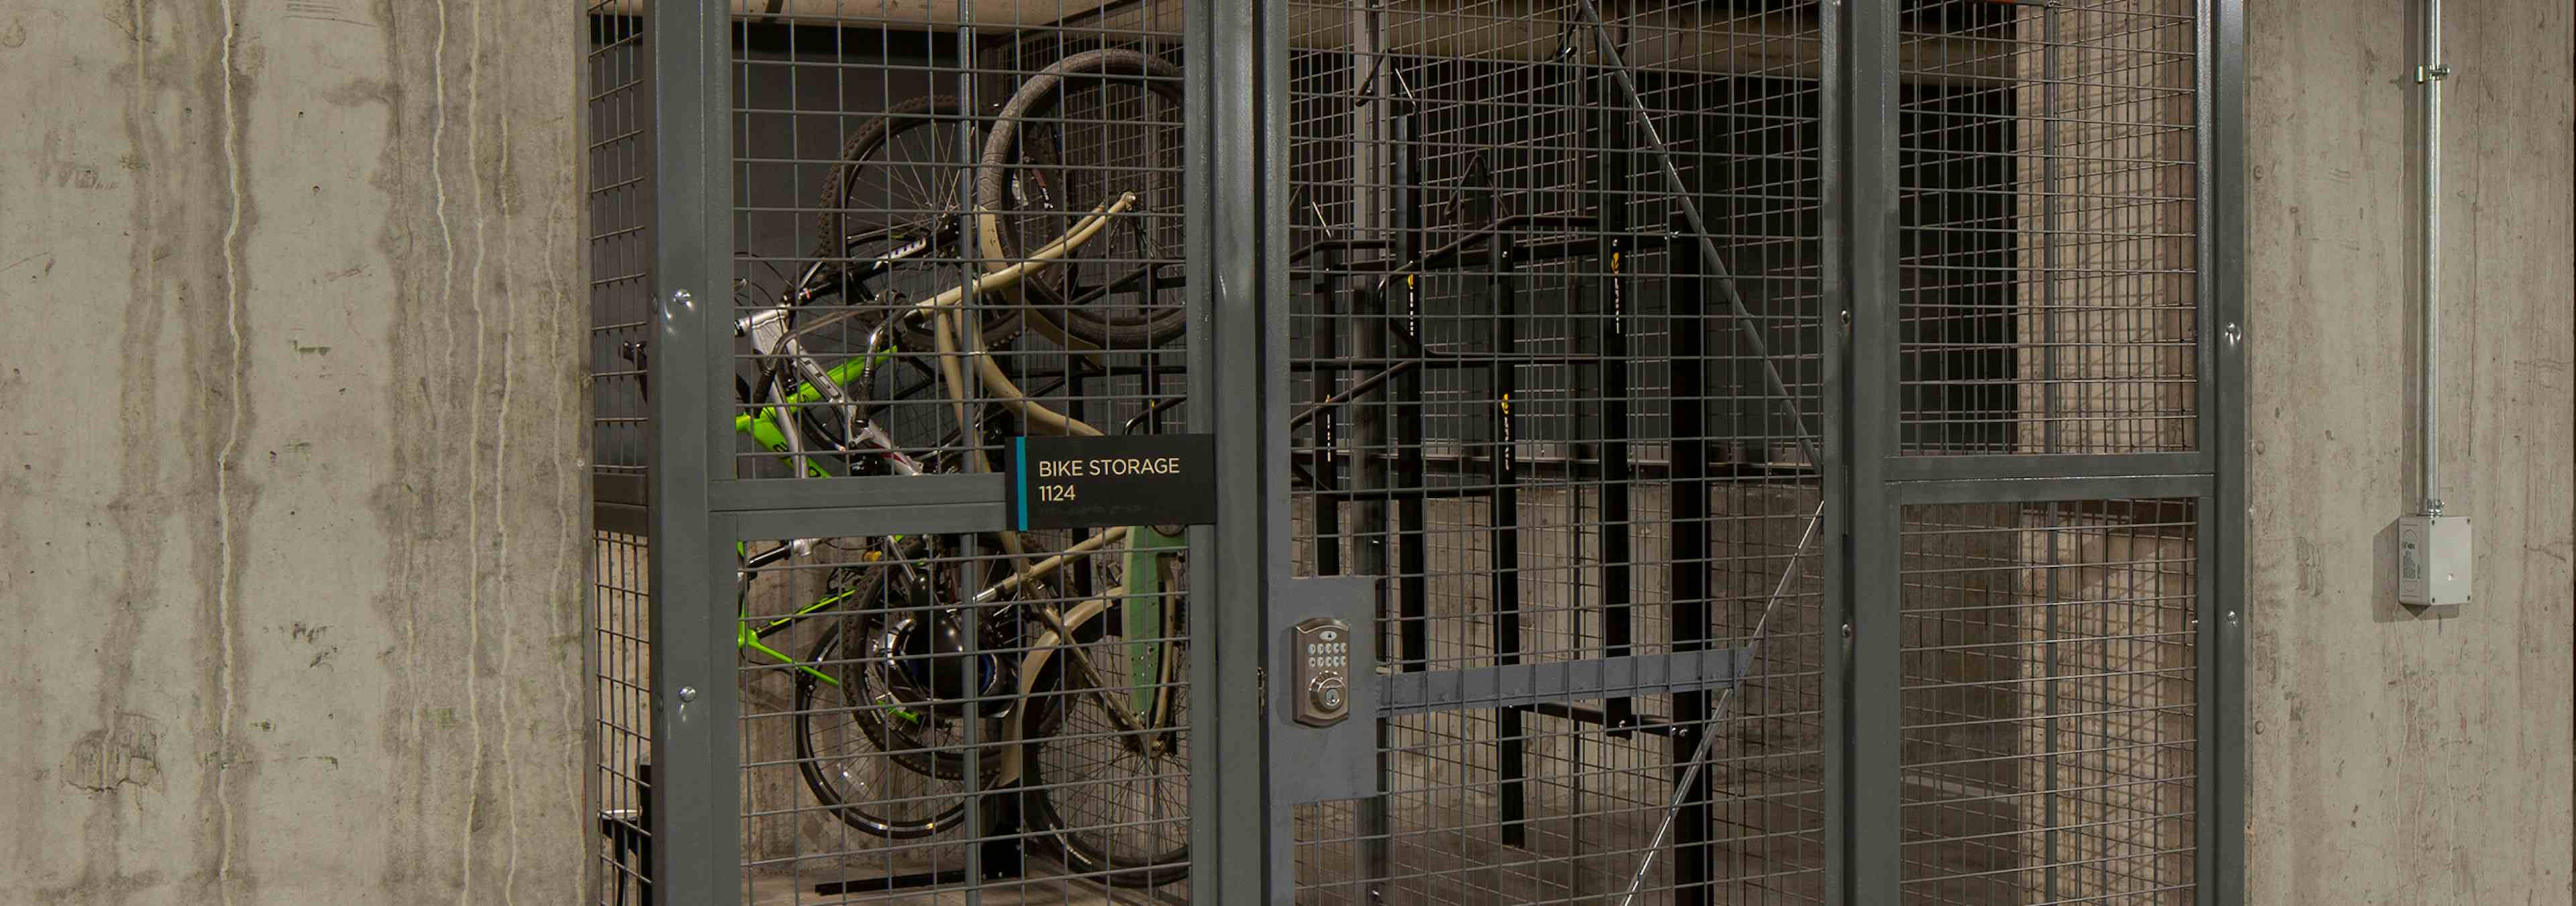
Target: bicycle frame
(1150,673)
(747,636)
(1147,705)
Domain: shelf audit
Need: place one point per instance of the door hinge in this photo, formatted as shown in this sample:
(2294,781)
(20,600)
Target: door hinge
(1261,691)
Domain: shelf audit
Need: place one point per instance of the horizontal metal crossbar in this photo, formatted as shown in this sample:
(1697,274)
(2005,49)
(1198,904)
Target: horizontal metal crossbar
(2057,465)
(621,518)
(619,487)
(2027,490)
(858,522)
(1517,685)
(936,490)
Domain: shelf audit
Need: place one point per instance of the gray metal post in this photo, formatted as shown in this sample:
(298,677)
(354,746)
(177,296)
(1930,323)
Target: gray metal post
(2219,871)
(1833,477)
(1373,169)
(694,805)
(970,434)
(1235,184)
(1866,99)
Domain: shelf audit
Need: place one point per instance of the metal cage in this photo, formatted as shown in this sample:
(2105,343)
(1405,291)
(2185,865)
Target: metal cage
(1762,452)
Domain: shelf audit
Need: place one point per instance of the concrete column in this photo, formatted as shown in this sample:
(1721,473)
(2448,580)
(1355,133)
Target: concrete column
(291,484)
(2399,755)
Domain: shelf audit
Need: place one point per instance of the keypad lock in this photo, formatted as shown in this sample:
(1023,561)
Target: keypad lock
(1323,671)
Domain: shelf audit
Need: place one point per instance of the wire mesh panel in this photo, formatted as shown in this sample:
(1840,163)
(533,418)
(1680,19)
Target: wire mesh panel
(1569,431)
(623,732)
(620,204)
(946,207)
(2050,702)
(2049,172)
(1002,712)
(958,225)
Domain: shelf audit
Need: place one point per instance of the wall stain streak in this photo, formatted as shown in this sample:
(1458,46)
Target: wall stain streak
(234,496)
(301,619)
(141,503)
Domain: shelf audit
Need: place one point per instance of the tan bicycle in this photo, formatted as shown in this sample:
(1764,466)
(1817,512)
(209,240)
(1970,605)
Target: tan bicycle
(1046,663)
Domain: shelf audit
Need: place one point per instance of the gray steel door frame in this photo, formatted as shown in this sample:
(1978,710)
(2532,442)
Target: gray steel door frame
(696,785)
(1236,227)
(699,510)
(1873,484)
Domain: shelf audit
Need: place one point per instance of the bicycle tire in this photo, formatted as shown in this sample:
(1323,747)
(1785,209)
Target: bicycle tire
(853,808)
(921,755)
(1084,825)
(832,222)
(1036,99)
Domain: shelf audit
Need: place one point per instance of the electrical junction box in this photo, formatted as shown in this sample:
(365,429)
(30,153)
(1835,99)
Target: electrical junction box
(2433,560)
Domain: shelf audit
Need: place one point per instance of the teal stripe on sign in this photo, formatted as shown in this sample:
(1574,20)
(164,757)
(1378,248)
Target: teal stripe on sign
(1020,474)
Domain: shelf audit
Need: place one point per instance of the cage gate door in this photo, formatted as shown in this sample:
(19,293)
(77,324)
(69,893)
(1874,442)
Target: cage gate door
(929,585)
(1786,445)
(2043,491)
(1558,347)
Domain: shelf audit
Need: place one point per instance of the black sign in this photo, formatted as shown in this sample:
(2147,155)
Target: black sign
(1094,482)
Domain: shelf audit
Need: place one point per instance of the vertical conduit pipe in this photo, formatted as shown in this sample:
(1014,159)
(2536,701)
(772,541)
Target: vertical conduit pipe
(2429,427)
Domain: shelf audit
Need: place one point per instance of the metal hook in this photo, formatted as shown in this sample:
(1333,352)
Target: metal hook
(1566,47)
(1361,97)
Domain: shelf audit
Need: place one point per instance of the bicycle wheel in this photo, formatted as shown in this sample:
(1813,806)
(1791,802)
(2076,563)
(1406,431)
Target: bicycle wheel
(1075,136)
(906,648)
(1110,779)
(895,195)
(854,764)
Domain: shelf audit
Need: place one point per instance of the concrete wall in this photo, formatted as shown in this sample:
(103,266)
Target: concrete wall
(2402,756)
(296,590)
(289,500)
